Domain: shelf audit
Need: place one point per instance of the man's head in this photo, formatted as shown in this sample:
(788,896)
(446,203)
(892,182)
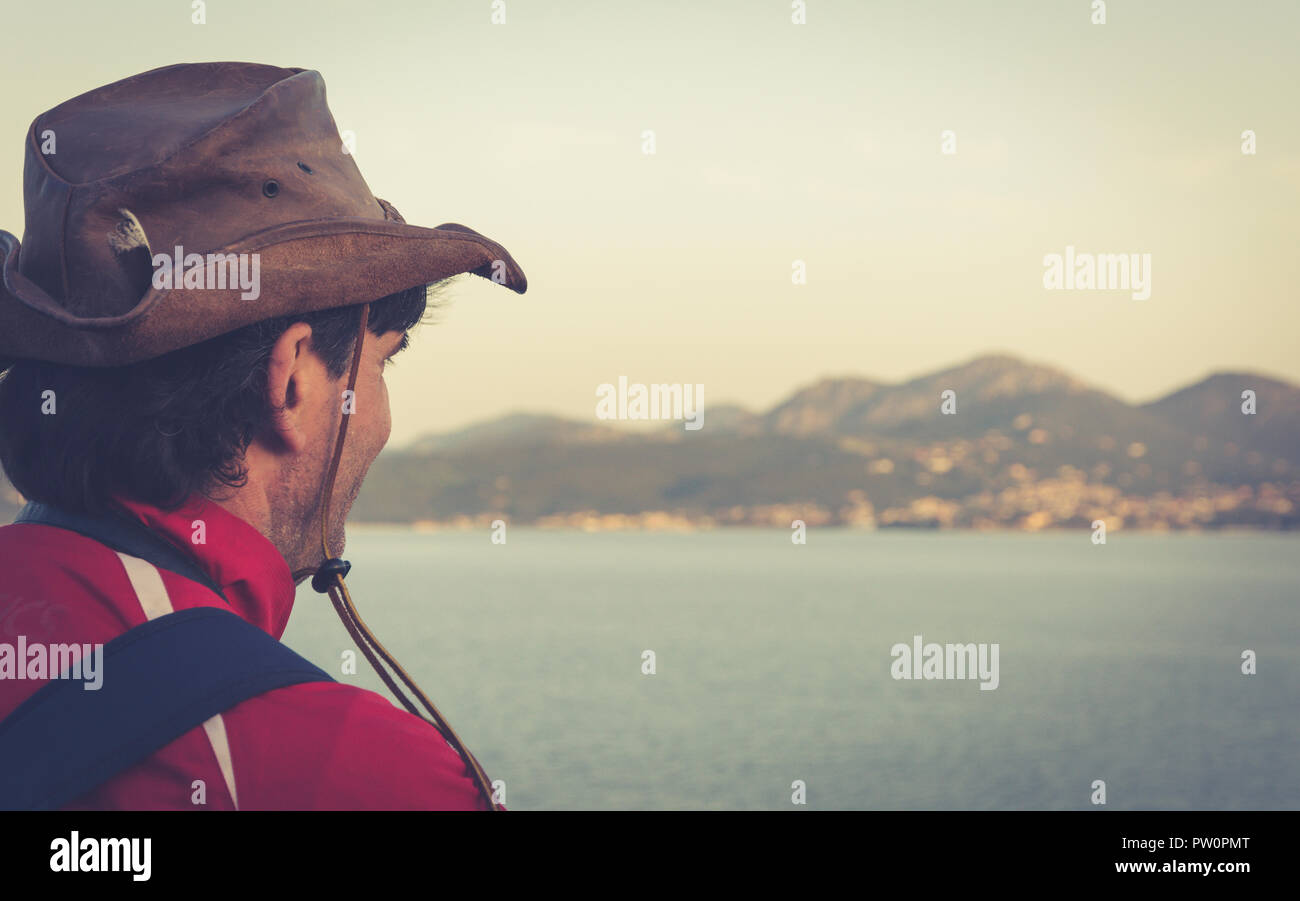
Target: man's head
(239,394)
(248,419)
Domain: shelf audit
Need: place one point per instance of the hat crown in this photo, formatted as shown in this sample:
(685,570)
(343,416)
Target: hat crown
(142,120)
(201,155)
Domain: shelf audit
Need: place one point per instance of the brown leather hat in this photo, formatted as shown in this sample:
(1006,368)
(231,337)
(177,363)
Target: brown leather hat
(213,159)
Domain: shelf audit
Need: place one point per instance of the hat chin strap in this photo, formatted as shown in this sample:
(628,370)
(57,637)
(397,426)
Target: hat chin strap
(327,578)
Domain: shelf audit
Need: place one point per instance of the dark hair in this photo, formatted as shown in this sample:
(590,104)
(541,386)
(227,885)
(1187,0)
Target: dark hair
(162,429)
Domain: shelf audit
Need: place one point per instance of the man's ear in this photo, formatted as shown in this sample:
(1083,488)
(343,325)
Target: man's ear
(290,371)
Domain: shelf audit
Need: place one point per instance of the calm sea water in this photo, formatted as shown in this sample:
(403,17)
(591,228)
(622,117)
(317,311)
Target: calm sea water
(1119,662)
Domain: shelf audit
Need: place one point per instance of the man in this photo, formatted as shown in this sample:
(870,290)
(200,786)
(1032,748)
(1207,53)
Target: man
(195,329)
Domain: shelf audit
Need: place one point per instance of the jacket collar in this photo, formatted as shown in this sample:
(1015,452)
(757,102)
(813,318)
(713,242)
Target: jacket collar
(250,570)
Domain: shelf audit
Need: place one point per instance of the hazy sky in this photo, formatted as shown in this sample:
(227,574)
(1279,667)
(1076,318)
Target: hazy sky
(779,142)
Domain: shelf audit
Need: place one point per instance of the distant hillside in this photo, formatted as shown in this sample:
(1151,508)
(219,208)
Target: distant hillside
(823,408)
(1211,412)
(516,428)
(993,392)
(1029,446)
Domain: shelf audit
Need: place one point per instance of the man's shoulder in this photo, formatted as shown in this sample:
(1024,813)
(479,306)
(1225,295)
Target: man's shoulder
(329,745)
(34,542)
(35,555)
(59,586)
(78,586)
(338,705)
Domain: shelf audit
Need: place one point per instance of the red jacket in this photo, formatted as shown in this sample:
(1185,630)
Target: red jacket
(312,746)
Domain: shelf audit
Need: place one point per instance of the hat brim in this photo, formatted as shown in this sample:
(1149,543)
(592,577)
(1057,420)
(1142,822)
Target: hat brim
(303,266)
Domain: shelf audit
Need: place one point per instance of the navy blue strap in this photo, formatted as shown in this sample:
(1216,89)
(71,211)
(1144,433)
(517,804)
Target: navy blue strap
(121,533)
(159,680)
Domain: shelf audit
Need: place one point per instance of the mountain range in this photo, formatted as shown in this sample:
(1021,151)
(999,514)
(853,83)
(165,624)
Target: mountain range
(1027,446)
